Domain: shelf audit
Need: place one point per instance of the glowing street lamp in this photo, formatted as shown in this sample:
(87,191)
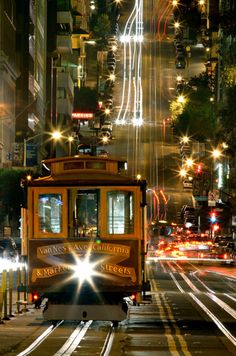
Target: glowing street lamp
(176,25)
(185,139)
(182,172)
(114,48)
(216,153)
(181,99)
(189,162)
(107,111)
(105,139)
(112,77)
(56,135)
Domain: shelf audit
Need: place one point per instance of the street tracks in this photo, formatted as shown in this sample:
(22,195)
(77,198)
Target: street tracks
(215,301)
(50,339)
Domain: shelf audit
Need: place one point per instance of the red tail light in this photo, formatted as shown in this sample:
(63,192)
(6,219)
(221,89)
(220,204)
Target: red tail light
(35,297)
(225,256)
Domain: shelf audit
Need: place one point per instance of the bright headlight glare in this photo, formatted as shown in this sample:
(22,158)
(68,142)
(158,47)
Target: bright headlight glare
(83,270)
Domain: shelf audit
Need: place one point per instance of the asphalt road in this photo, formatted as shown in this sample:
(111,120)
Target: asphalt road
(190,310)
(151,149)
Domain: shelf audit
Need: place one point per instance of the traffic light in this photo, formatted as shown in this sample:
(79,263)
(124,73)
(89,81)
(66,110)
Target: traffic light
(199,168)
(213,217)
(215,227)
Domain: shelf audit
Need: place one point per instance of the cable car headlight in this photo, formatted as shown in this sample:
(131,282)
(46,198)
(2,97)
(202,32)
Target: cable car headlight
(84,270)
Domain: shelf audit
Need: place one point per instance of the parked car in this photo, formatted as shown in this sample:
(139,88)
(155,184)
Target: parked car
(180,88)
(111,55)
(179,48)
(187,184)
(107,126)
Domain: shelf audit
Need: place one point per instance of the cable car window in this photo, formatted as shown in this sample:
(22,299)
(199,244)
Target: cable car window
(50,213)
(96,165)
(120,212)
(86,213)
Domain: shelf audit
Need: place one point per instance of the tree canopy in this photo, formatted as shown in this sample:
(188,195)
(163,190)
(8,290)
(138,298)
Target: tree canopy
(227,122)
(101,27)
(197,118)
(85,99)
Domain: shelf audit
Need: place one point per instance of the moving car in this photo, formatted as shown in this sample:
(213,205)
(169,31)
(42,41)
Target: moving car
(180,62)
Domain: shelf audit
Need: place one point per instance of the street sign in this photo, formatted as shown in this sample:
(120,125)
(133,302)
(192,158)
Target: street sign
(18,153)
(201,198)
(211,203)
(31,154)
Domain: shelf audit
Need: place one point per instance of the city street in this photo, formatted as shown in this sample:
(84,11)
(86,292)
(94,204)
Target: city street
(147,141)
(190,309)
(106,264)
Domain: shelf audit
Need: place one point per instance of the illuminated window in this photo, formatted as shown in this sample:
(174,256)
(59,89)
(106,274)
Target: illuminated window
(86,213)
(50,213)
(120,212)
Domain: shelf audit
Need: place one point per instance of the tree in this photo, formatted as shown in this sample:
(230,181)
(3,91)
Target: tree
(227,127)
(85,99)
(102,28)
(198,117)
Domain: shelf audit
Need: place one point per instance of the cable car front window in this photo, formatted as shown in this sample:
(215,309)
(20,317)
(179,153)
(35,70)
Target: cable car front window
(120,212)
(86,213)
(50,213)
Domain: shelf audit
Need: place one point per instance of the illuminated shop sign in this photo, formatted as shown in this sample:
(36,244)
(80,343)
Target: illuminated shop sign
(83,115)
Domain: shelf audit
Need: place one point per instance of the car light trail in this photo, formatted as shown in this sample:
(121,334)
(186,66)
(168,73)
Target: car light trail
(132,77)
(165,13)
(126,38)
(131,107)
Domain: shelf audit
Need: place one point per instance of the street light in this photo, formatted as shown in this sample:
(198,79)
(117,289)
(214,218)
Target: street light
(182,172)
(179,78)
(216,153)
(181,99)
(56,135)
(107,111)
(185,139)
(189,162)
(177,26)
(175,2)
